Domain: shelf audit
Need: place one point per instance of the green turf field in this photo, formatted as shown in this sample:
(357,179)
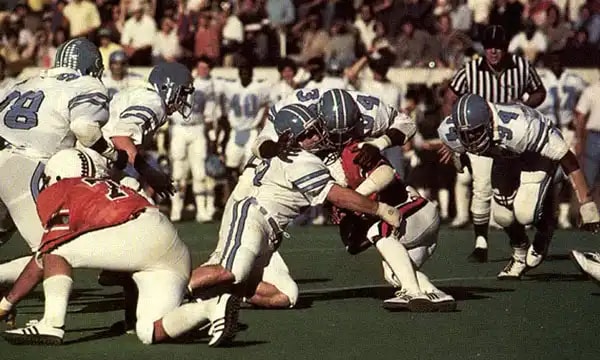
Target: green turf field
(551,314)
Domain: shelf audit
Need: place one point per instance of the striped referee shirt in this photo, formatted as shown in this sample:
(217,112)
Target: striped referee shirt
(517,78)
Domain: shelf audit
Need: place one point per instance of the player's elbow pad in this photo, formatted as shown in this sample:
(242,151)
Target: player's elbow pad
(86,132)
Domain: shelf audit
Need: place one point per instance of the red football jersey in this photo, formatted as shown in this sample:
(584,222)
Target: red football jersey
(75,206)
(355,175)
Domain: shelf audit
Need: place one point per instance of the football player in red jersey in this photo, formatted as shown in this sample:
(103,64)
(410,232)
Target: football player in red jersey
(97,223)
(417,233)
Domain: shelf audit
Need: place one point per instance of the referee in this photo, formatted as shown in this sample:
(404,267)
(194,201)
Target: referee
(498,77)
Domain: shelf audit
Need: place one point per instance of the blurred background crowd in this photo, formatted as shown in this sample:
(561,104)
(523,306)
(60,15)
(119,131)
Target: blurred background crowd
(300,38)
(440,33)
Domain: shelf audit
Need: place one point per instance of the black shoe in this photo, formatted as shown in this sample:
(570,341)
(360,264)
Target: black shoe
(479,255)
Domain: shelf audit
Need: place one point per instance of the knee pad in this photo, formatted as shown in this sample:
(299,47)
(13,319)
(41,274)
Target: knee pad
(144,330)
(530,196)
(503,215)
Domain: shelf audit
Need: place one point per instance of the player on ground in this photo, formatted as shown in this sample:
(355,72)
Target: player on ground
(80,212)
(41,116)
(269,195)
(191,140)
(417,236)
(526,149)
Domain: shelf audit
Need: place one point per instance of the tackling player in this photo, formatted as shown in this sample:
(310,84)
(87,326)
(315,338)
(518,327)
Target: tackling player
(526,149)
(269,195)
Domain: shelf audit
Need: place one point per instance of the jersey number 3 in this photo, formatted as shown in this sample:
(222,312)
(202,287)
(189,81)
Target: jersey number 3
(23,111)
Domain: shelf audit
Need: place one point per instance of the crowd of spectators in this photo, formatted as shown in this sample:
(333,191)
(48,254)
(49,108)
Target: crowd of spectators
(420,33)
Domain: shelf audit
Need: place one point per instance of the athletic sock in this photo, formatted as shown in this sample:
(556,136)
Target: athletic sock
(396,256)
(185,318)
(56,292)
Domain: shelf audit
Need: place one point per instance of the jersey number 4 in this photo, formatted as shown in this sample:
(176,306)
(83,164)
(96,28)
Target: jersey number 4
(23,111)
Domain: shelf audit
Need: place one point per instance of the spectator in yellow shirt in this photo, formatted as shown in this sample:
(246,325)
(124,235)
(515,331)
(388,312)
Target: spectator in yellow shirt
(83,17)
(107,46)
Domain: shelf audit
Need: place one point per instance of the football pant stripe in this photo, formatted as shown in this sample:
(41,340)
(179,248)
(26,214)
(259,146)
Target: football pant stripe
(539,205)
(231,230)
(238,235)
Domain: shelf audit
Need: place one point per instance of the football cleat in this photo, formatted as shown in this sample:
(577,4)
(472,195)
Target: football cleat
(459,223)
(442,302)
(588,263)
(224,320)
(534,256)
(398,302)
(513,270)
(39,334)
(479,255)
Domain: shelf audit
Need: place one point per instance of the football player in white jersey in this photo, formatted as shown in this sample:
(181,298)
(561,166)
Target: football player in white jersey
(137,113)
(269,195)
(526,148)
(286,85)
(47,113)
(119,77)
(190,140)
(245,100)
(564,89)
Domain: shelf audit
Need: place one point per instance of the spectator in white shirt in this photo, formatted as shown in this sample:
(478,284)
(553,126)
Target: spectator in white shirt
(232,34)
(138,36)
(365,24)
(531,42)
(166,43)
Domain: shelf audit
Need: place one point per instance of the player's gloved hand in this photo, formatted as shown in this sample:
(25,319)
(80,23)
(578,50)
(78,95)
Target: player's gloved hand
(160,182)
(589,217)
(368,156)
(389,214)
(285,147)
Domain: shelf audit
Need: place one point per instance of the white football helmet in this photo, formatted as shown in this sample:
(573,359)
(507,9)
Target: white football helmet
(68,163)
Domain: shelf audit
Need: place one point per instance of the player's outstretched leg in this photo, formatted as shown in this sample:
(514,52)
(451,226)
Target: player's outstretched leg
(588,263)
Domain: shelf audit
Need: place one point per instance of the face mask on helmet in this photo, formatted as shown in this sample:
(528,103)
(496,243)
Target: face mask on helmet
(179,99)
(315,137)
(476,140)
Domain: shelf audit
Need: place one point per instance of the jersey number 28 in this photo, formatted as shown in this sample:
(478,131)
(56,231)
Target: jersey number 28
(23,111)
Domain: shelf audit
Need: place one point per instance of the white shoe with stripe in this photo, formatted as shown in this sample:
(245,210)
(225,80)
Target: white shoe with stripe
(442,302)
(224,320)
(588,263)
(39,334)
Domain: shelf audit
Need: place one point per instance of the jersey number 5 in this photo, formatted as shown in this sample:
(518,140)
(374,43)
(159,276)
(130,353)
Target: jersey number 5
(23,113)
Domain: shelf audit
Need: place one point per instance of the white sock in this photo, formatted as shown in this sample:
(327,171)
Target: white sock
(444,199)
(56,292)
(519,253)
(563,211)
(481,242)
(10,271)
(5,305)
(185,318)
(396,256)
(176,205)
(461,197)
(424,283)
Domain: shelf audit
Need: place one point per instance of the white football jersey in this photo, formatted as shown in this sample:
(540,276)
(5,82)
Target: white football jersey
(204,105)
(388,92)
(37,113)
(135,113)
(562,95)
(245,105)
(517,129)
(377,116)
(114,86)
(284,189)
